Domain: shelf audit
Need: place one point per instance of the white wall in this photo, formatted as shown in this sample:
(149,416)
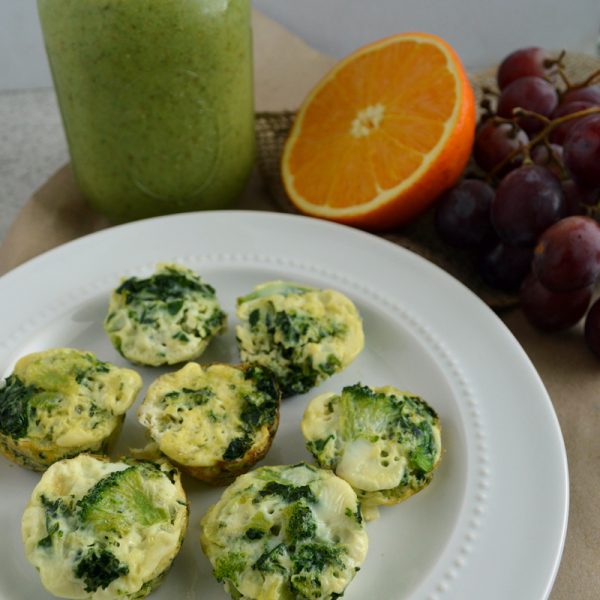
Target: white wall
(481,30)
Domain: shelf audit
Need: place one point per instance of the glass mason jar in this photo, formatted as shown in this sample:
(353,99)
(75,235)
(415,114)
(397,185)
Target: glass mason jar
(156,99)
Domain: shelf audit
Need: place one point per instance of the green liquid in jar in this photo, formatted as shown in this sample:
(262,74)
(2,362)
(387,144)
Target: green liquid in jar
(156,98)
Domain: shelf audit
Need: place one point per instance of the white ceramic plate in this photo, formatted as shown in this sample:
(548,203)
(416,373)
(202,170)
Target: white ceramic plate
(492,523)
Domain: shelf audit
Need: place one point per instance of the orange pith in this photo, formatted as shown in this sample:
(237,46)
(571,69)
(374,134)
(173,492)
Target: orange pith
(382,135)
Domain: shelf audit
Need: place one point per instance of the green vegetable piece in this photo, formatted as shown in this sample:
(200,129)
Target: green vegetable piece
(119,501)
(237,447)
(99,568)
(168,287)
(315,556)
(15,397)
(289,493)
(301,523)
(55,510)
(284,288)
(254,534)
(229,566)
(269,560)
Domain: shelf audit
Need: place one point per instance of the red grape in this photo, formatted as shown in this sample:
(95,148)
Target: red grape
(462,216)
(549,157)
(495,141)
(567,256)
(528,200)
(589,93)
(582,151)
(559,133)
(577,197)
(524,62)
(504,267)
(592,328)
(553,311)
(531,93)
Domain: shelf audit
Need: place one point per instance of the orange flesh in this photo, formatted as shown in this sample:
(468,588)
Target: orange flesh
(371,125)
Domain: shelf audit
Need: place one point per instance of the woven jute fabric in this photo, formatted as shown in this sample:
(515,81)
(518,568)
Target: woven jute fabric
(272,129)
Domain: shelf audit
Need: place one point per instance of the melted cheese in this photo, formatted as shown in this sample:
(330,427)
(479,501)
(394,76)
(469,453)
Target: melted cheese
(147,551)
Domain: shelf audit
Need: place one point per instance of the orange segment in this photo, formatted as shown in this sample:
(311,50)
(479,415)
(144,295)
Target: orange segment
(383,134)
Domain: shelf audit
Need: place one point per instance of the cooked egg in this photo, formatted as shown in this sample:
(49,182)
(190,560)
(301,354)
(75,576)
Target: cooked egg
(167,318)
(214,421)
(384,442)
(302,334)
(61,402)
(285,532)
(103,530)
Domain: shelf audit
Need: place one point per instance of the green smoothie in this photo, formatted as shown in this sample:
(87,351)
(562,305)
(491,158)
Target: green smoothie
(156,98)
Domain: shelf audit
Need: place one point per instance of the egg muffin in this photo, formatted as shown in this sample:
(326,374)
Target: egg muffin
(167,318)
(302,334)
(102,530)
(214,421)
(384,442)
(285,532)
(61,402)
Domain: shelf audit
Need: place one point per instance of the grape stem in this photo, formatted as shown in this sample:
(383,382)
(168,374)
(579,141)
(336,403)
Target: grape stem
(542,136)
(589,81)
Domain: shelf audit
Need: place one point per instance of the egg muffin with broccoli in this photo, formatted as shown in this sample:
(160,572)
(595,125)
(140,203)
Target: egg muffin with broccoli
(167,318)
(214,421)
(61,402)
(95,529)
(384,442)
(285,532)
(302,334)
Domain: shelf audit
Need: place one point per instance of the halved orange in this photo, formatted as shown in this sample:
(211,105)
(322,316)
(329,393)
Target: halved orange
(382,135)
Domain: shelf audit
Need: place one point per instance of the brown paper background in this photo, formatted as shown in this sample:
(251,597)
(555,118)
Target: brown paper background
(285,70)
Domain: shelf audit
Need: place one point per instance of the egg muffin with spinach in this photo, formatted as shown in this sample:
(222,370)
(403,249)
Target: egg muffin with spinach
(101,530)
(302,334)
(285,532)
(214,421)
(167,318)
(61,402)
(384,442)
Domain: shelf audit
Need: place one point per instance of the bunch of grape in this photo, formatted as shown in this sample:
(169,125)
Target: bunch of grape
(527,209)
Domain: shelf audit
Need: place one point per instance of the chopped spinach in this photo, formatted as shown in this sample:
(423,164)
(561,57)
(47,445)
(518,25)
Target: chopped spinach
(15,399)
(288,492)
(99,568)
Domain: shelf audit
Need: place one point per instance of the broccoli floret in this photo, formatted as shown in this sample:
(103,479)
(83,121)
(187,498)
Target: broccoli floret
(119,501)
(366,414)
(315,556)
(15,397)
(99,568)
(310,559)
(229,566)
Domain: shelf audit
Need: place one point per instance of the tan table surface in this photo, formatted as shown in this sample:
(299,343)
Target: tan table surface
(285,69)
